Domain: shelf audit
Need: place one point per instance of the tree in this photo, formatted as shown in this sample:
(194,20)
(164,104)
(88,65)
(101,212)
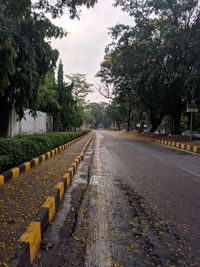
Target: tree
(81,88)
(56,8)
(156,62)
(25,57)
(111,74)
(97,111)
(89,119)
(64,116)
(26,54)
(47,94)
(115,113)
(71,113)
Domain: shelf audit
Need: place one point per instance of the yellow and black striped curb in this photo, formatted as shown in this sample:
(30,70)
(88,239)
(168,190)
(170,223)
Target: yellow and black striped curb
(26,166)
(182,146)
(30,241)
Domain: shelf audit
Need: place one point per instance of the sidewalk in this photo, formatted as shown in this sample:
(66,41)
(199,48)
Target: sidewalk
(21,199)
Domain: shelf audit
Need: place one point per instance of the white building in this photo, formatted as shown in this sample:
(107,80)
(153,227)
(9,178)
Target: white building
(42,123)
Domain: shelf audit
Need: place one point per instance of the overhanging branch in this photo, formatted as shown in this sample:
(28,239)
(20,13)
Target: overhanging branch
(106,91)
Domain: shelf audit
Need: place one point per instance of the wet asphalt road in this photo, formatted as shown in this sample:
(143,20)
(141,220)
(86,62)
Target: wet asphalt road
(132,204)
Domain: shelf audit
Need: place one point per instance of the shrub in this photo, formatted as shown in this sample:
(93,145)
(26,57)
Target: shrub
(14,151)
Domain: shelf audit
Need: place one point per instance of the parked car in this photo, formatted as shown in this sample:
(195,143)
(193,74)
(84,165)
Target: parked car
(195,135)
(186,133)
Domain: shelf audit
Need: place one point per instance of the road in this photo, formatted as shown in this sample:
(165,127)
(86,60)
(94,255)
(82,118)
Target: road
(139,206)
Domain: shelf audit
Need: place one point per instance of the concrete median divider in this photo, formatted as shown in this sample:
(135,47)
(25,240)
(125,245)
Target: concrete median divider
(26,166)
(30,241)
(182,146)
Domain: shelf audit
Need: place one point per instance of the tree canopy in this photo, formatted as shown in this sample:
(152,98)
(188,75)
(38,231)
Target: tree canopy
(154,65)
(57,8)
(26,55)
(71,111)
(81,88)
(47,94)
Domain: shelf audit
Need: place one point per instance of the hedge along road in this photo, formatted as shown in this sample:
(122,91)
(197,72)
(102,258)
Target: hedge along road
(21,199)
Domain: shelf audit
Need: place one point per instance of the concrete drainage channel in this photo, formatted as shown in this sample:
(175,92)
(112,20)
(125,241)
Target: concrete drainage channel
(65,222)
(33,246)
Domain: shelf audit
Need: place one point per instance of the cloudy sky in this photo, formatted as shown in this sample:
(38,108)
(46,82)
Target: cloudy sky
(83,49)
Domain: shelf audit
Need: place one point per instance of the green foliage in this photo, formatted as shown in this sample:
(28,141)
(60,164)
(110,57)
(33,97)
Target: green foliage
(71,98)
(56,8)
(96,111)
(47,94)
(105,115)
(15,151)
(26,54)
(115,114)
(64,118)
(88,119)
(81,88)
(154,65)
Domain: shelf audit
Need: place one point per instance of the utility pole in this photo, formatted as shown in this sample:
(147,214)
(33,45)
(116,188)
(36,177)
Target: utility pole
(192,107)
(191,125)
(191,115)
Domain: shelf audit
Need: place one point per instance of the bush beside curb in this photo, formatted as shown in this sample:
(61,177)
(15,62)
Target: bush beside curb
(26,166)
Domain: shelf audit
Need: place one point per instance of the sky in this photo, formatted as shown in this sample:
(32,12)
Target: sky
(83,49)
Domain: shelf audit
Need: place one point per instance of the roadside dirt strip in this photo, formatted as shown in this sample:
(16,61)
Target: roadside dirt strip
(21,201)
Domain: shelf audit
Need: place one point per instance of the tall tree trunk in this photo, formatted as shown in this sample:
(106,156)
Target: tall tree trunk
(155,122)
(119,126)
(4,116)
(129,119)
(177,123)
(141,129)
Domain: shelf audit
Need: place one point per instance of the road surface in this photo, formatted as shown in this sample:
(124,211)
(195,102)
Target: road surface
(138,205)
